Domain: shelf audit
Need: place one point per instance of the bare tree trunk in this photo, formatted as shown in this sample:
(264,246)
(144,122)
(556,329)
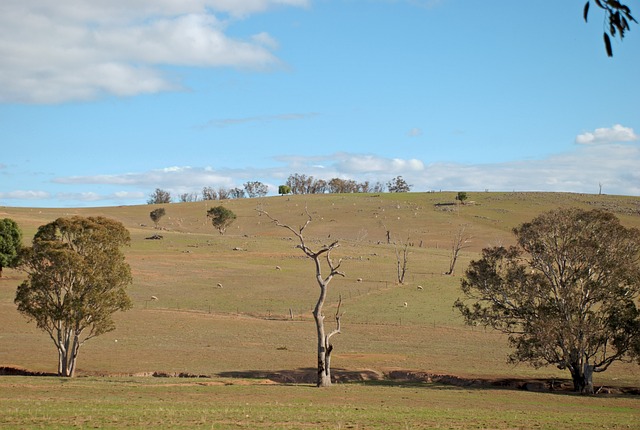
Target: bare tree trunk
(402,261)
(324,368)
(324,347)
(459,242)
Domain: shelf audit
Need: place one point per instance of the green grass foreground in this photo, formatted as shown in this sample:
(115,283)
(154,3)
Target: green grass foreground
(88,402)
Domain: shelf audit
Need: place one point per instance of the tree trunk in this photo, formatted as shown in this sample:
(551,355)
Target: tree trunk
(588,379)
(67,357)
(582,376)
(324,352)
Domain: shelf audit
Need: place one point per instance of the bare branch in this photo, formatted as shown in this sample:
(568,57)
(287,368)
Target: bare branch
(338,316)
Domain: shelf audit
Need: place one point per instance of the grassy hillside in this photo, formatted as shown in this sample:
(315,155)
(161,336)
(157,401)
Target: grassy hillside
(246,327)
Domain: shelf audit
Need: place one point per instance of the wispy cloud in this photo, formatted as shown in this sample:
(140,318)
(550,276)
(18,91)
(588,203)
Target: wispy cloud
(226,122)
(53,52)
(415,132)
(617,133)
(582,170)
(169,177)
(25,195)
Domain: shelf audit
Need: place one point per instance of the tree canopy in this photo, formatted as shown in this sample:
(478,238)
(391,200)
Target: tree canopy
(221,217)
(255,189)
(156,215)
(77,278)
(567,294)
(10,243)
(159,197)
(398,185)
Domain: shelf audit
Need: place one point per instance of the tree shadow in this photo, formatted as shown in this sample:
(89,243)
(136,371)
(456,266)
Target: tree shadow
(306,375)
(407,378)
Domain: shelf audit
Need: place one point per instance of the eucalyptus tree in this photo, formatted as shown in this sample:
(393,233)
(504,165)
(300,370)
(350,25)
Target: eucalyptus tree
(567,295)
(618,16)
(159,196)
(221,218)
(10,243)
(156,215)
(255,189)
(77,279)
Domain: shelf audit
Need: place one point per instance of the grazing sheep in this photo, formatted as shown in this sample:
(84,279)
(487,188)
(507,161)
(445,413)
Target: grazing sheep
(278,268)
(405,304)
(359,279)
(154,298)
(420,287)
(219,285)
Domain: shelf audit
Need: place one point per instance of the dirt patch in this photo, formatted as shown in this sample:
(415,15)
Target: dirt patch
(537,385)
(308,376)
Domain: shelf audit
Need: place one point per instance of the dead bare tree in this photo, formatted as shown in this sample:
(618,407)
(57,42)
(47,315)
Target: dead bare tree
(459,242)
(324,346)
(401,260)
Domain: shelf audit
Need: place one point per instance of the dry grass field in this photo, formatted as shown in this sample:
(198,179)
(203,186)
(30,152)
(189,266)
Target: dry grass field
(254,338)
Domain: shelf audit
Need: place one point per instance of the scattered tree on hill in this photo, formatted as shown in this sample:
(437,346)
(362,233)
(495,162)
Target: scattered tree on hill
(459,241)
(402,260)
(461,197)
(255,189)
(567,295)
(159,197)
(188,197)
(299,183)
(208,193)
(398,185)
(221,217)
(223,193)
(284,189)
(236,193)
(10,243)
(77,279)
(618,15)
(156,215)
(324,346)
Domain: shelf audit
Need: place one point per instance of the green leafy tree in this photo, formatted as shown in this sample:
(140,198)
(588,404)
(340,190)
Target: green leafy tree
(10,243)
(221,217)
(618,16)
(77,279)
(461,197)
(284,189)
(567,295)
(156,215)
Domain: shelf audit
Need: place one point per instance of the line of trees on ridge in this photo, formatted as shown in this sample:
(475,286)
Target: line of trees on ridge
(296,184)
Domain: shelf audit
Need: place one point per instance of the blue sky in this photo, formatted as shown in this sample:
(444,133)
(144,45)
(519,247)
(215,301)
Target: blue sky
(102,102)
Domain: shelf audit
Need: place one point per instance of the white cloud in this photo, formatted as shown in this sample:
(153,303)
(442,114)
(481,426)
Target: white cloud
(617,133)
(53,52)
(169,177)
(24,195)
(582,170)
(365,164)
